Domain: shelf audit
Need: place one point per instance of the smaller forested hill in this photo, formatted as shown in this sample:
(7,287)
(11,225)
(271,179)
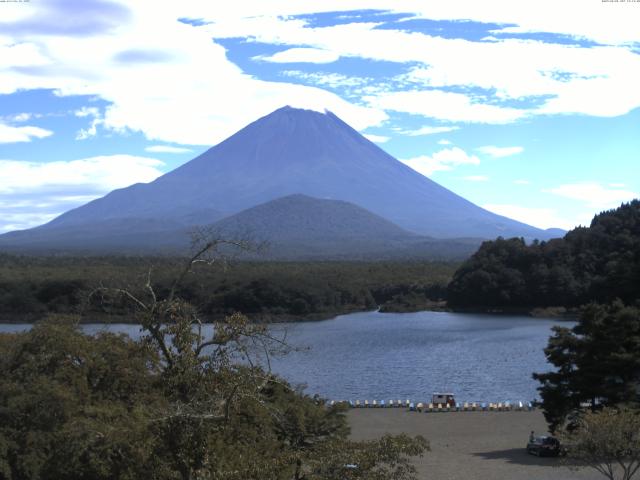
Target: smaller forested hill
(596,263)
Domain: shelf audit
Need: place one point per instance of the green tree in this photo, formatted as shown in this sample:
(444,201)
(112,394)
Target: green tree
(599,263)
(597,362)
(75,406)
(177,404)
(607,441)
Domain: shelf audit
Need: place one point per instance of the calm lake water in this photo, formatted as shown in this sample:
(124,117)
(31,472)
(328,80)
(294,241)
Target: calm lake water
(373,355)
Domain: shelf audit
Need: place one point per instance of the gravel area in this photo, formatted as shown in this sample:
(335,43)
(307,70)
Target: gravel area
(469,445)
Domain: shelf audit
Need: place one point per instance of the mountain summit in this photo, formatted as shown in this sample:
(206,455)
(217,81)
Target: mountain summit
(290,151)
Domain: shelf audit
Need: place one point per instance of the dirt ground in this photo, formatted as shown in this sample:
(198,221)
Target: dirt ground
(469,445)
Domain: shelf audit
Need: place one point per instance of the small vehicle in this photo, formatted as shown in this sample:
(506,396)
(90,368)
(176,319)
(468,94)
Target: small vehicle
(544,446)
(444,399)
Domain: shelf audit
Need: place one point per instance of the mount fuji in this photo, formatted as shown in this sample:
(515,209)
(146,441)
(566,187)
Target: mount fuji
(290,152)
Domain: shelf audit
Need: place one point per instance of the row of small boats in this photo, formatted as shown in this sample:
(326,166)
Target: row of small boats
(441,407)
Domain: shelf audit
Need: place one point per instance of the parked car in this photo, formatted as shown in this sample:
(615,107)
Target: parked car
(544,446)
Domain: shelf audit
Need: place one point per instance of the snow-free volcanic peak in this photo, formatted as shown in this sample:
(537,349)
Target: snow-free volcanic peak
(295,151)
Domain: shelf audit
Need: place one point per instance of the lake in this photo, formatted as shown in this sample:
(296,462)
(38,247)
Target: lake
(372,355)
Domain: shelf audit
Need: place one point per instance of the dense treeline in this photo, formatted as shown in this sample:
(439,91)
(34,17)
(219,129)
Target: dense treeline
(597,263)
(31,287)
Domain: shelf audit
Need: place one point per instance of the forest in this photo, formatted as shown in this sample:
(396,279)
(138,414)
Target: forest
(32,287)
(599,263)
(175,404)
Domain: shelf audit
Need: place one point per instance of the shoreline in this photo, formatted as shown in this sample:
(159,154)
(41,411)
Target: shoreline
(560,313)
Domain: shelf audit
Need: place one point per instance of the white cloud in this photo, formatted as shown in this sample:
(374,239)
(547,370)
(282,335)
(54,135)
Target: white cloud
(96,174)
(10,134)
(441,161)
(96,119)
(499,152)
(476,178)
(429,130)
(567,78)
(608,24)
(214,99)
(10,221)
(166,149)
(452,107)
(329,79)
(377,138)
(522,182)
(87,112)
(301,55)
(594,194)
(22,117)
(538,217)
(33,193)
(444,142)
(91,131)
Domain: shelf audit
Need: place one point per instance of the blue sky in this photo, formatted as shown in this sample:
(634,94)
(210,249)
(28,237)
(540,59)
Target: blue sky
(529,109)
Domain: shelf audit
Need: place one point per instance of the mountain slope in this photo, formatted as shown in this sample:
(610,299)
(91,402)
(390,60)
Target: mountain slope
(303,228)
(303,218)
(289,151)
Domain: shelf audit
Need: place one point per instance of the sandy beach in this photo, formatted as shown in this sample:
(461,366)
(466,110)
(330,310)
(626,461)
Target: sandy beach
(469,445)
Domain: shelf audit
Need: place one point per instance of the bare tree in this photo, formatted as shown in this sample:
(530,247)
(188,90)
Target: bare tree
(176,329)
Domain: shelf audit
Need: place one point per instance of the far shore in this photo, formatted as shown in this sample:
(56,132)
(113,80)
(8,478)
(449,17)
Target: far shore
(559,313)
(469,445)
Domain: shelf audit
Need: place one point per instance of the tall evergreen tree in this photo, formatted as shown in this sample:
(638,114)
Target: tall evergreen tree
(597,362)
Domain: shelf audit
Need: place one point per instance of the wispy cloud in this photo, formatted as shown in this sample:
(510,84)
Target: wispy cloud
(429,130)
(96,120)
(41,51)
(11,134)
(102,173)
(137,56)
(594,194)
(538,217)
(522,182)
(33,193)
(499,152)
(544,76)
(442,160)
(377,138)
(22,117)
(215,95)
(301,55)
(448,106)
(87,112)
(167,149)
(350,85)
